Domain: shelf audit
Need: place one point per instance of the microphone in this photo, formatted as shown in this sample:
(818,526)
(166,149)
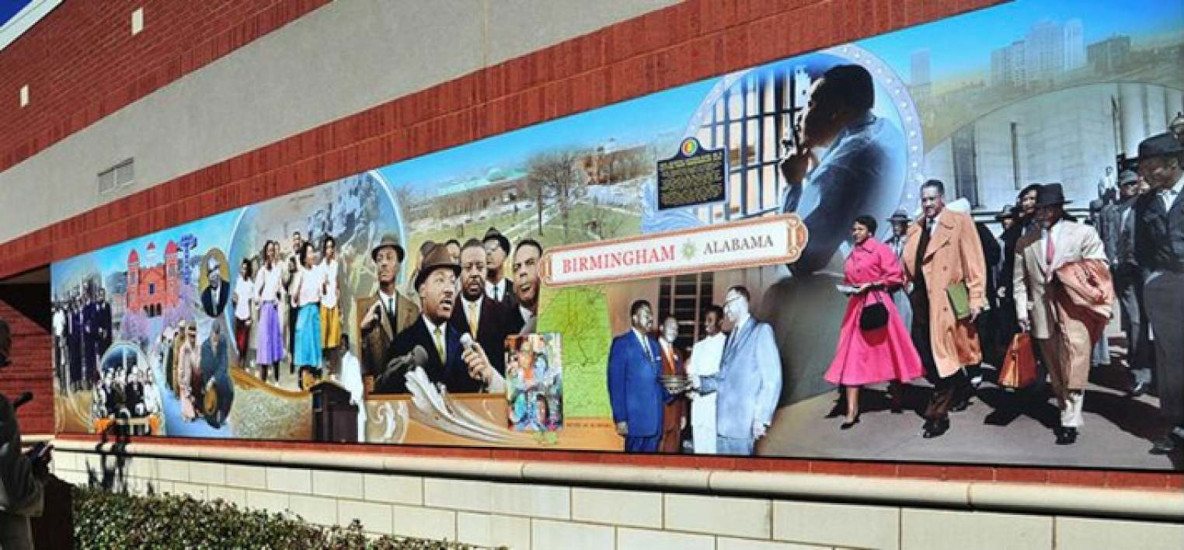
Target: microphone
(22,399)
(417,357)
(466,341)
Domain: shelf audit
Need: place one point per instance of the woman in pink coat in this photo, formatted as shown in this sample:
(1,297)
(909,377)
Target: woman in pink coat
(884,354)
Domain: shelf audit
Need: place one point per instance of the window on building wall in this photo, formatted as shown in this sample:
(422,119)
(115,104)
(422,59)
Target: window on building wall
(117,177)
(1015,157)
(685,297)
(151,289)
(749,120)
(965,164)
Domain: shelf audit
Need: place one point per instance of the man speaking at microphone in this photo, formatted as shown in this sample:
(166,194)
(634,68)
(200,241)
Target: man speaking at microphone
(459,364)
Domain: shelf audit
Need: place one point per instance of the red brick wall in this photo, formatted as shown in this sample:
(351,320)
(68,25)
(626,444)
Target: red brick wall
(82,63)
(680,44)
(31,370)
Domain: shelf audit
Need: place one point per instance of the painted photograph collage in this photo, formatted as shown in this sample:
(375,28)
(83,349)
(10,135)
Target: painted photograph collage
(932,245)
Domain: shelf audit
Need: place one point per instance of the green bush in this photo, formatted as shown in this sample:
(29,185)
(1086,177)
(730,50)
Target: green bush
(104,519)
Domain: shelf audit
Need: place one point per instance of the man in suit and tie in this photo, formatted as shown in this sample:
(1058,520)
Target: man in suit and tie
(214,297)
(1064,333)
(525,312)
(385,314)
(103,322)
(749,378)
(1159,249)
(90,340)
(498,286)
(634,391)
(860,169)
(477,314)
(943,254)
(459,368)
(1118,236)
(674,416)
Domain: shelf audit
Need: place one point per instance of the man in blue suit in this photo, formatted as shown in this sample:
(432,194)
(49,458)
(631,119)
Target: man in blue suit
(749,378)
(637,397)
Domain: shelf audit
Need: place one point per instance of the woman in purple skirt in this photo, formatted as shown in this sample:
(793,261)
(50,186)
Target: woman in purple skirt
(269,349)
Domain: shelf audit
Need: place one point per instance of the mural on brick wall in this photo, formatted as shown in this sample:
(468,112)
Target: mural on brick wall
(951,243)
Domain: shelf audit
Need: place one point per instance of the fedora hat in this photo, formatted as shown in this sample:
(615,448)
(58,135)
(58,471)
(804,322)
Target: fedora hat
(1160,145)
(1050,194)
(437,258)
(502,241)
(1008,212)
(388,241)
(900,216)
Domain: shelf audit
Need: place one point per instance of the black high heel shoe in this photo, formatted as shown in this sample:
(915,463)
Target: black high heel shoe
(848,425)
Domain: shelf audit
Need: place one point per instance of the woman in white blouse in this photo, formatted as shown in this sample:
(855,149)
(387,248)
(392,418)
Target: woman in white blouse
(269,349)
(244,290)
(309,284)
(330,311)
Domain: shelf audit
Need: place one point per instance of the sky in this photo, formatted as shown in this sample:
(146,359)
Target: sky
(957,46)
(630,122)
(214,231)
(963,44)
(9,8)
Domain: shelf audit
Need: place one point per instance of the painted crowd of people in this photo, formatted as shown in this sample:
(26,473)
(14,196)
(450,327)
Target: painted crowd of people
(82,333)
(1057,280)
(453,318)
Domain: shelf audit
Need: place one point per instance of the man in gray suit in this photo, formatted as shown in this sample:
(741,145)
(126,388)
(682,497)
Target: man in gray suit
(1159,249)
(1118,235)
(749,378)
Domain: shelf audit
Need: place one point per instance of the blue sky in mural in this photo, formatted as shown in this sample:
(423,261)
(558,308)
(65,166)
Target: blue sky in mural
(632,122)
(9,8)
(963,44)
(958,48)
(214,231)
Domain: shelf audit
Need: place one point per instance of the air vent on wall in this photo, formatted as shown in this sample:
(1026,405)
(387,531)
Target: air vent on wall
(117,177)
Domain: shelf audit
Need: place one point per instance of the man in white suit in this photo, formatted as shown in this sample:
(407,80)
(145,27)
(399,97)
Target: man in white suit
(705,359)
(749,378)
(1062,334)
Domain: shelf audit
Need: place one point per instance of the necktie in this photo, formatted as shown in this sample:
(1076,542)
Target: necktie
(473,319)
(438,337)
(1049,247)
(645,344)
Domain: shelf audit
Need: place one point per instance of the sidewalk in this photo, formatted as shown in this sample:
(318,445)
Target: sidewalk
(1117,431)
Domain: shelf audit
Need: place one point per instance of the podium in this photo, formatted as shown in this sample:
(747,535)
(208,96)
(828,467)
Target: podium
(334,419)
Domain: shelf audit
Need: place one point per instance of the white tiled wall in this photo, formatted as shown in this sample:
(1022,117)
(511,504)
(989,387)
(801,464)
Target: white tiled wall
(544,517)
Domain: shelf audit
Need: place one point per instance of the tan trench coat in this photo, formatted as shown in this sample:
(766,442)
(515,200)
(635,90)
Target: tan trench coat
(954,255)
(1062,306)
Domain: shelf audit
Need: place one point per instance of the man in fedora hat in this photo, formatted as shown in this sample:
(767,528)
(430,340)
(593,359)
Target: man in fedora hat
(1159,249)
(1118,235)
(1064,333)
(384,314)
(498,287)
(460,367)
(899,221)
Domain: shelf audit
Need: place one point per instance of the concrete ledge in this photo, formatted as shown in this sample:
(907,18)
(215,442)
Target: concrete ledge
(1149,504)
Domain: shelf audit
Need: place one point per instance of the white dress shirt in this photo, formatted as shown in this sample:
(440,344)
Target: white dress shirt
(244,290)
(472,312)
(329,275)
(497,291)
(269,282)
(310,283)
(1169,195)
